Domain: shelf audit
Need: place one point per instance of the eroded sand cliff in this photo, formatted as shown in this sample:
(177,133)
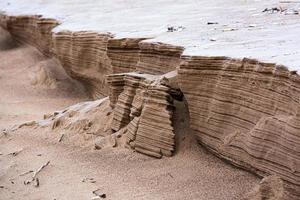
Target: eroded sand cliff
(243,110)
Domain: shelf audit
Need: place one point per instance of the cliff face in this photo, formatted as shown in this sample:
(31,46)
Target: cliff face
(244,111)
(124,54)
(90,56)
(158,58)
(83,55)
(33,30)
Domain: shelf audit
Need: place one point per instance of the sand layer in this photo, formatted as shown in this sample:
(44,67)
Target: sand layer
(253,125)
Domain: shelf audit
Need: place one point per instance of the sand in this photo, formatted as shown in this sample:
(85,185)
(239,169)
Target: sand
(29,82)
(29,90)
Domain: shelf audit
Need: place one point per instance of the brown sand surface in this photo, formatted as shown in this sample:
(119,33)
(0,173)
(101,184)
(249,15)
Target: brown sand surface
(31,85)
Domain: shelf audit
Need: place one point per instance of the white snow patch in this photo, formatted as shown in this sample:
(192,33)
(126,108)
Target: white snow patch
(273,38)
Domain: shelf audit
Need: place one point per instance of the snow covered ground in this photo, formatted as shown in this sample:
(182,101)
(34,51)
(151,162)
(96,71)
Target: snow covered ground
(235,28)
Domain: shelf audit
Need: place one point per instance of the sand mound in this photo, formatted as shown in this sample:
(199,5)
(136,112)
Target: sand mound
(42,76)
(78,125)
(270,188)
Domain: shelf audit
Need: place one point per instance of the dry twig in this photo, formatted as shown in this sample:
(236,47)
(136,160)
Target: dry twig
(25,173)
(15,153)
(34,178)
(61,137)
(40,169)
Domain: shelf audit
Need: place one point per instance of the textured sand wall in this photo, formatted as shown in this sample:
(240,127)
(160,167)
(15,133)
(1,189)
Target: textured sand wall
(33,30)
(124,54)
(89,56)
(83,55)
(245,111)
(145,109)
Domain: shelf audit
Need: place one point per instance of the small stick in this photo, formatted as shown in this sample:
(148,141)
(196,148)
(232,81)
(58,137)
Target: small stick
(40,169)
(95,192)
(37,182)
(61,137)
(170,175)
(35,174)
(25,173)
(16,152)
(4,131)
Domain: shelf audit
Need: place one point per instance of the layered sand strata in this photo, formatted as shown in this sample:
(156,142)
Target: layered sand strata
(244,111)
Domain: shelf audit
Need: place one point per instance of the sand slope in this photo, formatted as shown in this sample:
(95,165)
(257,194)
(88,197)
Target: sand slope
(29,82)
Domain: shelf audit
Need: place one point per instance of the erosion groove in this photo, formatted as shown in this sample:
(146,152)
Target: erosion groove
(244,111)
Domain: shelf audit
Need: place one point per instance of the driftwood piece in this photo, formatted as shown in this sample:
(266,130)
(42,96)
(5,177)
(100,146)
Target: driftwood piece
(25,173)
(37,182)
(40,169)
(34,178)
(61,137)
(15,153)
(98,194)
